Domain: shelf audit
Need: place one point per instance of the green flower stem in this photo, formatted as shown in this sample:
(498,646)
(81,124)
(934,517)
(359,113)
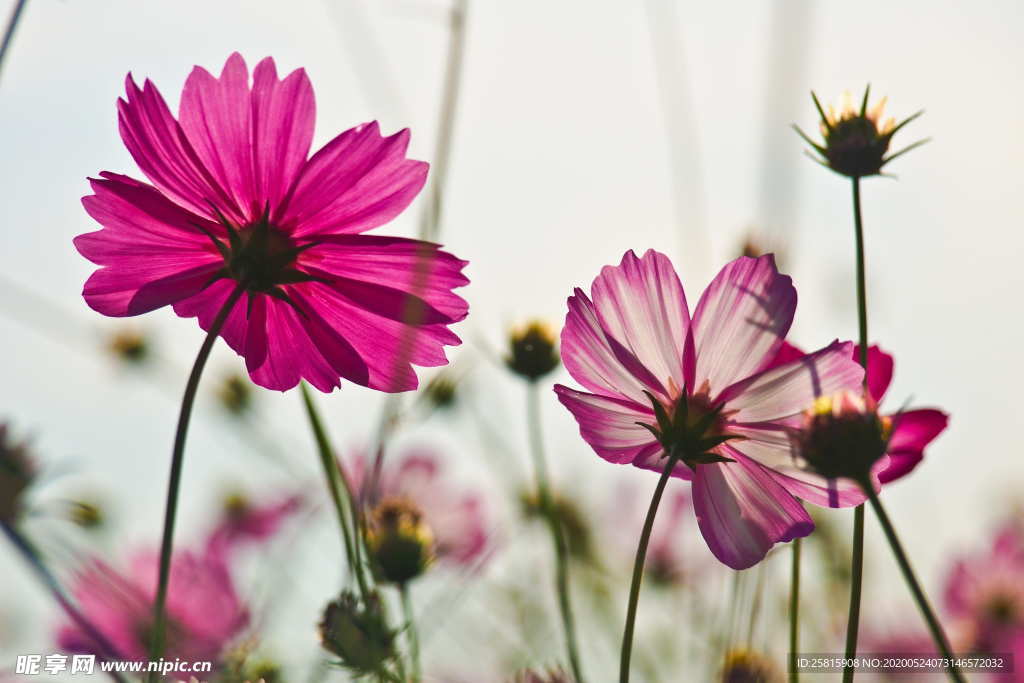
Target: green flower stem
(335,483)
(12,25)
(857,556)
(411,634)
(35,561)
(938,635)
(638,566)
(177,460)
(555,527)
(794,612)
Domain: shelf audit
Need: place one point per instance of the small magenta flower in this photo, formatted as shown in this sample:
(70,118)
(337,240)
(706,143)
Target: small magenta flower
(237,205)
(654,375)
(909,431)
(856,141)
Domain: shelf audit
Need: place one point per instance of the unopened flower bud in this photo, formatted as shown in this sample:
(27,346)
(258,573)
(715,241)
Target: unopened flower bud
(357,633)
(235,394)
(16,474)
(746,666)
(401,544)
(843,436)
(532,350)
(130,346)
(856,141)
(441,391)
(86,514)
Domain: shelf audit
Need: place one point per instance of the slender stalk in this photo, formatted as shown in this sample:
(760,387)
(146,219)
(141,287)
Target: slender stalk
(177,460)
(335,483)
(411,634)
(638,567)
(12,25)
(555,527)
(938,635)
(794,612)
(857,556)
(43,573)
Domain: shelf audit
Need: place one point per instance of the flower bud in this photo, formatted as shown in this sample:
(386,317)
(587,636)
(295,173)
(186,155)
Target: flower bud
(16,474)
(441,391)
(235,394)
(856,141)
(532,350)
(746,666)
(130,346)
(843,436)
(400,543)
(357,634)
(86,514)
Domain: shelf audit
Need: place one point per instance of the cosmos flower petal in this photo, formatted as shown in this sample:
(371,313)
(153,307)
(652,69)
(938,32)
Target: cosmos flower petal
(789,389)
(641,304)
(741,320)
(152,252)
(216,117)
(599,362)
(283,118)
(156,142)
(912,431)
(609,424)
(402,279)
(771,448)
(389,348)
(742,511)
(357,181)
(880,365)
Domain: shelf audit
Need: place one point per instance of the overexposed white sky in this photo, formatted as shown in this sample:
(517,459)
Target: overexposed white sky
(570,147)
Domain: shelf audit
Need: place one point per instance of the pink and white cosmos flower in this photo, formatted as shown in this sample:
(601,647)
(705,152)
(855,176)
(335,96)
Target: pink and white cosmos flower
(236,201)
(635,334)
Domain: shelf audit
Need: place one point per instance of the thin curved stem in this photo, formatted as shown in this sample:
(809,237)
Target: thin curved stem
(35,561)
(411,634)
(12,25)
(177,460)
(938,635)
(794,612)
(335,483)
(555,527)
(857,555)
(638,567)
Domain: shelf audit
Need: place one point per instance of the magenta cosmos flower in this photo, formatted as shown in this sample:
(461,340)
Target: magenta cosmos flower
(237,202)
(912,430)
(633,341)
(457,520)
(206,614)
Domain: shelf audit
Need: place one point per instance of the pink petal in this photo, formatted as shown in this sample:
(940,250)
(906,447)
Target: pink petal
(880,366)
(152,252)
(771,448)
(609,424)
(401,279)
(598,361)
(742,511)
(641,305)
(216,117)
(283,117)
(741,320)
(160,148)
(787,390)
(356,182)
(786,353)
(911,432)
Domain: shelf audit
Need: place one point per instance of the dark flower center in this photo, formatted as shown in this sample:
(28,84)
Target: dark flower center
(260,257)
(691,427)
(855,147)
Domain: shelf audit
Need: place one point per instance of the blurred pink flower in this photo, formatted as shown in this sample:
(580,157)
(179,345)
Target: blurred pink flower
(458,521)
(636,336)
(235,201)
(912,430)
(205,612)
